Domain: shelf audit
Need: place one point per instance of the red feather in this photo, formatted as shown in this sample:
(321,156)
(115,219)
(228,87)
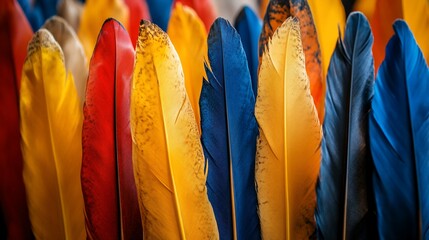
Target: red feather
(204,9)
(138,11)
(111,205)
(15,33)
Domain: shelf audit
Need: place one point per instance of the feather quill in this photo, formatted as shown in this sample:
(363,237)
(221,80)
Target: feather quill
(227,101)
(343,190)
(167,154)
(51,130)
(94,13)
(249,27)
(277,12)
(288,147)
(111,205)
(74,55)
(188,35)
(15,33)
(398,131)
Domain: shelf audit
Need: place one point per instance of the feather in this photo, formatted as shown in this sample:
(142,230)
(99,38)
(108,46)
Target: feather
(328,16)
(398,131)
(167,154)
(94,13)
(74,55)
(51,127)
(188,35)
(229,10)
(263,4)
(288,147)
(416,14)
(38,11)
(15,33)
(71,10)
(277,12)
(343,190)
(138,11)
(381,21)
(111,205)
(227,101)
(160,11)
(249,27)
(204,8)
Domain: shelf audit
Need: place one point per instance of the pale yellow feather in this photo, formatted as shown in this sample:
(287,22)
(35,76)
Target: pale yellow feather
(288,149)
(167,153)
(51,127)
(328,16)
(189,37)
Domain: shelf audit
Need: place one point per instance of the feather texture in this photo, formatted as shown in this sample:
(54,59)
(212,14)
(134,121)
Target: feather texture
(138,10)
(399,127)
(74,55)
(51,127)
(167,154)
(343,191)
(94,13)
(111,205)
(15,33)
(288,148)
(249,27)
(204,8)
(277,12)
(227,101)
(188,35)
(160,11)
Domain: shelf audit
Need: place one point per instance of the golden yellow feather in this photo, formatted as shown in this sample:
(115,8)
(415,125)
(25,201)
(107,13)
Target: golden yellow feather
(167,154)
(288,148)
(51,127)
(328,16)
(189,37)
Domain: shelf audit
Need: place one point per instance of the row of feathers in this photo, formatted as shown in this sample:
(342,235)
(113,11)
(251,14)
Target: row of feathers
(243,132)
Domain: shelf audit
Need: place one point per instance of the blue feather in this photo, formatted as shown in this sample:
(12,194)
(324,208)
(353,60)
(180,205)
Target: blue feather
(344,198)
(229,132)
(399,137)
(38,11)
(160,11)
(249,27)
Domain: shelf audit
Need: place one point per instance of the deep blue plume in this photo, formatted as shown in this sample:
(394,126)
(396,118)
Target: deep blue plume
(249,27)
(399,137)
(344,195)
(229,131)
(38,11)
(160,11)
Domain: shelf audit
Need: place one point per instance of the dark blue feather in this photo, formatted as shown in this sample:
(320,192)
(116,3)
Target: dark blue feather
(249,27)
(343,190)
(160,11)
(399,137)
(229,133)
(38,11)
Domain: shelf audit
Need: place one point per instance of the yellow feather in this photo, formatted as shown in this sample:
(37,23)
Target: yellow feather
(94,13)
(328,16)
(189,37)
(288,153)
(167,154)
(51,126)
(416,14)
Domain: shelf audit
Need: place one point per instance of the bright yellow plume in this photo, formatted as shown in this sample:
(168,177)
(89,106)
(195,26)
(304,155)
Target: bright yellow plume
(94,13)
(189,37)
(51,127)
(167,154)
(328,16)
(288,149)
